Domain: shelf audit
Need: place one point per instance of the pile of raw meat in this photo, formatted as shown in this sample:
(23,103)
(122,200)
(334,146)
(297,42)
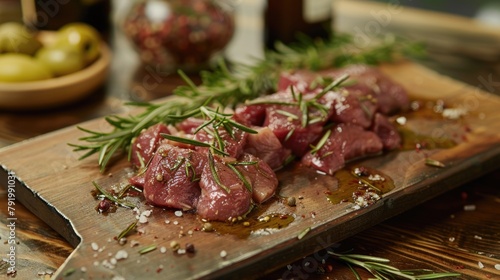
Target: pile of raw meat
(300,122)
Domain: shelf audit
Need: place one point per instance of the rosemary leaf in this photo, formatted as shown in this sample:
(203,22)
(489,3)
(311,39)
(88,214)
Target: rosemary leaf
(433,162)
(188,81)
(287,114)
(69,271)
(126,230)
(303,233)
(211,165)
(184,140)
(242,127)
(147,249)
(321,142)
(331,86)
(241,177)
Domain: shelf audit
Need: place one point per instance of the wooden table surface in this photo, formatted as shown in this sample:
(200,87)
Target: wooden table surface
(458,231)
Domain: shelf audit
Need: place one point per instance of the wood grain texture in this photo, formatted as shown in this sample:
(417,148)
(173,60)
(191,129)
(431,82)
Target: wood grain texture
(446,33)
(439,235)
(56,186)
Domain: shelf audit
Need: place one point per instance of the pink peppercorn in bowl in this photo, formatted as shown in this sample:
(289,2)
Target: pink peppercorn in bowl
(179,34)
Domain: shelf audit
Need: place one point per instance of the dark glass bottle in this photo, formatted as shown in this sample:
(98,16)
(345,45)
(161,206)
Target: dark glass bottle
(285,19)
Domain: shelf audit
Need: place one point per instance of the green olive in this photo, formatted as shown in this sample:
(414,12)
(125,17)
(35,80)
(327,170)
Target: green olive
(22,68)
(17,38)
(81,36)
(61,60)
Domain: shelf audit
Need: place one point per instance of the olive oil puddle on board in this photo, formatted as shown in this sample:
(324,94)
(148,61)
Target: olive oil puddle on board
(435,131)
(360,185)
(256,223)
(412,140)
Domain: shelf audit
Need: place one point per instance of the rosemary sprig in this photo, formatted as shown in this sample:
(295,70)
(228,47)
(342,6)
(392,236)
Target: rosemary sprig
(214,121)
(380,268)
(228,88)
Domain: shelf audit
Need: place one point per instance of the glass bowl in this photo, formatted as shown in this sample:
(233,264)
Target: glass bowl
(179,34)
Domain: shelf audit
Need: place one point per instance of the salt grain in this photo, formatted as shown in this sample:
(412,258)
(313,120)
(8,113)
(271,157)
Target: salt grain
(134,243)
(497,266)
(178,213)
(121,254)
(451,239)
(223,254)
(376,177)
(83,269)
(478,237)
(401,120)
(454,113)
(143,219)
(163,249)
(94,246)
(480,265)
(470,207)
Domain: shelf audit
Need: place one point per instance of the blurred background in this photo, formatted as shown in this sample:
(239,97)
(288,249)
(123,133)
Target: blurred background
(460,34)
(462,38)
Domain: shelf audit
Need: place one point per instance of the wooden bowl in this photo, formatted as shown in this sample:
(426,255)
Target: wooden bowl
(56,91)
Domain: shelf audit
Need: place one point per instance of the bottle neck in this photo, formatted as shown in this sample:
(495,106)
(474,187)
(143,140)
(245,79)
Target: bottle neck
(285,20)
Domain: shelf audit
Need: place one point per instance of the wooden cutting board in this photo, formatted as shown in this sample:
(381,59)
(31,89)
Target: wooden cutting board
(56,186)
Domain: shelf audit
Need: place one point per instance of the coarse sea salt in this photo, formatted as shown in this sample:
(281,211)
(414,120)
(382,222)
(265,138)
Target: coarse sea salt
(469,207)
(480,265)
(223,254)
(121,254)
(143,219)
(497,266)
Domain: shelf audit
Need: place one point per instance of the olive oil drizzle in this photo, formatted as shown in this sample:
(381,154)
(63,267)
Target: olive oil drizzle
(352,185)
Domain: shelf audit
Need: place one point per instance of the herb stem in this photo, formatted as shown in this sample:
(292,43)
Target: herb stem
(229,87)
(379,268)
